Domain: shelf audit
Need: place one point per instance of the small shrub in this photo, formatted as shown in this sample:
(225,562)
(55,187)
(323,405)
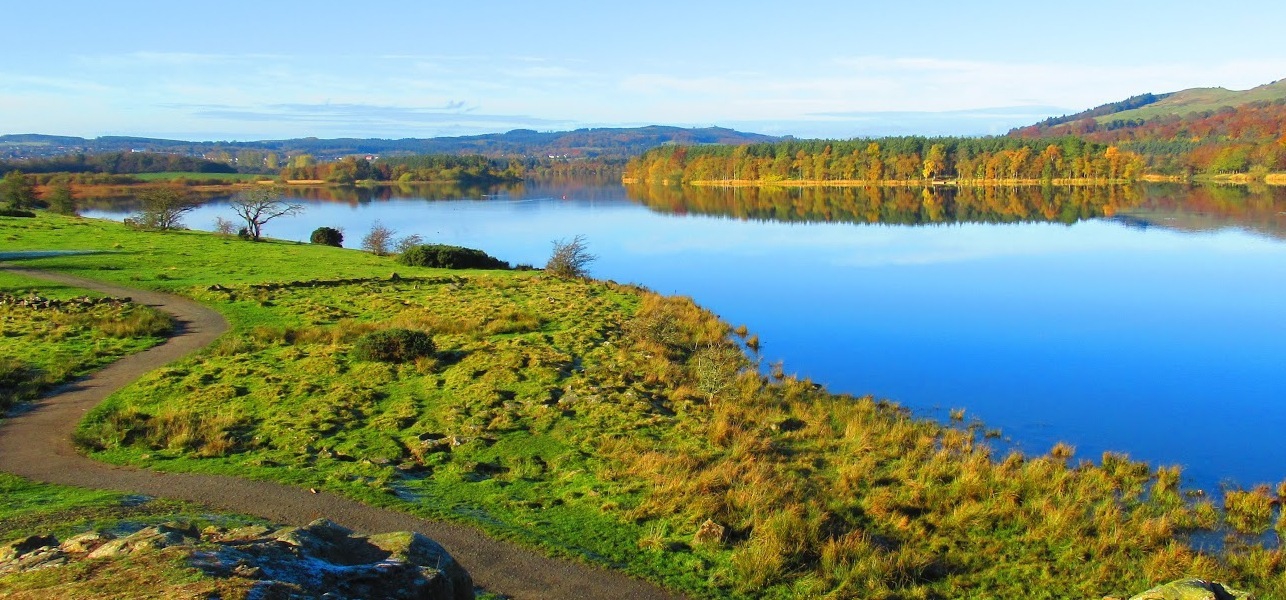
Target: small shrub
(328,236)
(224,227)
(16,212)
(393,345)
(377,241)
(441,256)
(570,259)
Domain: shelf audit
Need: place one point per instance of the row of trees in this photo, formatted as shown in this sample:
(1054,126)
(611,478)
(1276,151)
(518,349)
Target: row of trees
(889,159)
(118,163)
(468,170)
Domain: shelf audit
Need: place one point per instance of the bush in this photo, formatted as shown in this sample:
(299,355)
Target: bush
(328,236)
(570,259)
(377,241)
(16,212)
(393,345)
(224,227)
(441,256)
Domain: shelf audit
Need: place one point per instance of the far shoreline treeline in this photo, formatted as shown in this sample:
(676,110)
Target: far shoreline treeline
(897,160)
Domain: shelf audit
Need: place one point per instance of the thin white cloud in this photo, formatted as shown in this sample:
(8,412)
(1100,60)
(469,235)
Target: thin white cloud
(33,84)
(543,73)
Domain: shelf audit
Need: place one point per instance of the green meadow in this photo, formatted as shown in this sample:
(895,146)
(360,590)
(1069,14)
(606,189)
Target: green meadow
(167,176)
(617,426)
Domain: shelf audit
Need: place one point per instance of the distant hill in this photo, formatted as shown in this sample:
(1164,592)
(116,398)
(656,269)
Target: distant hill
(1202,130)
(581,143)
(1110,108)
(1198,100)
(1137,110)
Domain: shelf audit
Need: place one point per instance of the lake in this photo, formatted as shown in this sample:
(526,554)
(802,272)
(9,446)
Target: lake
(1143,320)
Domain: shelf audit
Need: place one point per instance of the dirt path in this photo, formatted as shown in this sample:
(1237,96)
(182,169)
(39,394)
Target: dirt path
(36,444)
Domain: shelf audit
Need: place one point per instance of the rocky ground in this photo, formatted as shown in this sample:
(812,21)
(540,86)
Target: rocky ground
(1192,589)
(320,560)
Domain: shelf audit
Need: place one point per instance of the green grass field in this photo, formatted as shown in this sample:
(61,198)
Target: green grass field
(224,177)
(610,424)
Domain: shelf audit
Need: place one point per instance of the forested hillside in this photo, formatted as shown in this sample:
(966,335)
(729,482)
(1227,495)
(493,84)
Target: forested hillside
(1204,131)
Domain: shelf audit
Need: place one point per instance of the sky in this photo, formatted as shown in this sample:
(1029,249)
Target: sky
(236,70)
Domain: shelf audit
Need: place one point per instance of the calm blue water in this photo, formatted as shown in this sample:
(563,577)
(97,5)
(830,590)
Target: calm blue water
(1165,344)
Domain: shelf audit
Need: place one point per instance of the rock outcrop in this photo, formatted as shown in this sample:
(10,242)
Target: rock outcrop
(1193,589)
(319,559)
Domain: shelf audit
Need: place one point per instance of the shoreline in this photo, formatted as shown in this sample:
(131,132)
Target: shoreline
(1273,179)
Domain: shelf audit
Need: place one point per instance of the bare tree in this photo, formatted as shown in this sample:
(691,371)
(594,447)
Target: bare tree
(378,240)
(163,208)
(257,207)
(570,259)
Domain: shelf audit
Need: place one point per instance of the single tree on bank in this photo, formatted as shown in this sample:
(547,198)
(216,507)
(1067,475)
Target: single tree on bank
(163,209)
(257,207)
(17,191)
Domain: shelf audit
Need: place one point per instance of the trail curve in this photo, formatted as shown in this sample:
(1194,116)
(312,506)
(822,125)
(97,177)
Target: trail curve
(36,443)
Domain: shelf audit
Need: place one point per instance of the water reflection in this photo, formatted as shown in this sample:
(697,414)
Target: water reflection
(1188,208)
(891,205)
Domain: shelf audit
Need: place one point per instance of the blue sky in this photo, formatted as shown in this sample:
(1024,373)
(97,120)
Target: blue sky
(268,70)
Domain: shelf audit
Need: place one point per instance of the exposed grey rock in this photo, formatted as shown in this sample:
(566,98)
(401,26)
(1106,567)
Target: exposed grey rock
(1193,589)
(321,559)
(86,542)
(417,549)
(18,548)
(31,553)
(148,538)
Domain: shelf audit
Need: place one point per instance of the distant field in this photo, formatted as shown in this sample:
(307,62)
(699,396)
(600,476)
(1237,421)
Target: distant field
(172,175)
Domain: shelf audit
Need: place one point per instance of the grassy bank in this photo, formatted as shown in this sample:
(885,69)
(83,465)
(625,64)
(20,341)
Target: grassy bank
(624,428)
